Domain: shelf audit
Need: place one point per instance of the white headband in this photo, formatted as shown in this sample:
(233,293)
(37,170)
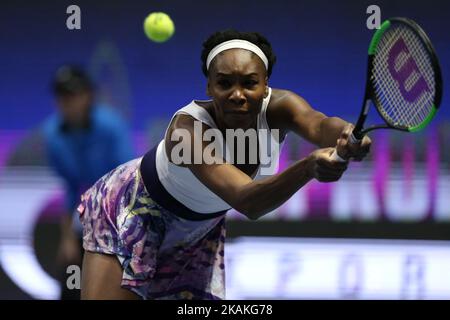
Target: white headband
(236,44)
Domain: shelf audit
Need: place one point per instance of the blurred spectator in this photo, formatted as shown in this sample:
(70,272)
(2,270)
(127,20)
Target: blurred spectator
(84,141)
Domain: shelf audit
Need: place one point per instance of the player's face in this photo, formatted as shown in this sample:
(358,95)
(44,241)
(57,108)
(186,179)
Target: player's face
(237,83)
(75,108)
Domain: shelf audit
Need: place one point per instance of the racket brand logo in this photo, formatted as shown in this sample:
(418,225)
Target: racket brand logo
(405,71)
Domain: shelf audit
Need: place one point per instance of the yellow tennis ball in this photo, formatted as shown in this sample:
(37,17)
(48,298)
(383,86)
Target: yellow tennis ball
(159,27)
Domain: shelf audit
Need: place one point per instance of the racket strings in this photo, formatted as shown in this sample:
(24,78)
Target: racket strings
(398,110)
(421,56)
(392,105)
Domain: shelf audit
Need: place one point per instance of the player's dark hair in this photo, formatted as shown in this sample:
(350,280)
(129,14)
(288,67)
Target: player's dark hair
(230,34)
(70,79)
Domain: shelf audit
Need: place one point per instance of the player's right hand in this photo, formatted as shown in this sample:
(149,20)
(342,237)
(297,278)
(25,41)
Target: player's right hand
(353,151)
(323,168)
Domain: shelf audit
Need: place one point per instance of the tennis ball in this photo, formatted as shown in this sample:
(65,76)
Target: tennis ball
(158,27)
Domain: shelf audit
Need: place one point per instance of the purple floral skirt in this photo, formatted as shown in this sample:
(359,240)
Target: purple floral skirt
(162,255)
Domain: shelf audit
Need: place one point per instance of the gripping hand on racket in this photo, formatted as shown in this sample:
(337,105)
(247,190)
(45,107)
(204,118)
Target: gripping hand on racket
(323,167)
(352,150)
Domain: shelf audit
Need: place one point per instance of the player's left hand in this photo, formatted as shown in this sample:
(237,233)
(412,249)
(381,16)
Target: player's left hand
(352,151)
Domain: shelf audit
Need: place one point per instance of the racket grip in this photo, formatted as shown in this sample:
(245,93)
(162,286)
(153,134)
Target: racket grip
(336,157)
(353,139)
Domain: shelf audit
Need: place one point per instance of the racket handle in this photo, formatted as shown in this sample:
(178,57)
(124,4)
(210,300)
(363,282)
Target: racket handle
(354,138)
(336,157)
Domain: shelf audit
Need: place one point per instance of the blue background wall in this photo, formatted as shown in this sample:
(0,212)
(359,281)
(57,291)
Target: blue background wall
(321,48)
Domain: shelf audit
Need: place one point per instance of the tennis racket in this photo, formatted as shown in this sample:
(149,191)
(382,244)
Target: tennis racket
(404,79)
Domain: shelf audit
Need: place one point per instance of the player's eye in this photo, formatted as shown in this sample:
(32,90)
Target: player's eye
(224,84)
(250,83)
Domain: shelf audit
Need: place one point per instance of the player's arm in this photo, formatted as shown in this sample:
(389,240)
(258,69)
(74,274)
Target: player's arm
(290,112)
(251,198)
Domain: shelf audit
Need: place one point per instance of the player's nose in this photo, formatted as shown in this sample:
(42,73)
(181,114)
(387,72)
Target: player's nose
(237,96)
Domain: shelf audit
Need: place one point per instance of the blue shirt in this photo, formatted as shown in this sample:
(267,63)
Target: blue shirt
(82,156)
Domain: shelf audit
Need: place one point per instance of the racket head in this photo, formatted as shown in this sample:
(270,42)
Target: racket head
(404,76)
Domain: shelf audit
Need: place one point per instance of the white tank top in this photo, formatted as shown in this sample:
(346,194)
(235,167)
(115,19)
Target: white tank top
(182,184)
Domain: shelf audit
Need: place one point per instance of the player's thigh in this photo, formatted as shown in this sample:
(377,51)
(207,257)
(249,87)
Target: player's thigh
(101,278)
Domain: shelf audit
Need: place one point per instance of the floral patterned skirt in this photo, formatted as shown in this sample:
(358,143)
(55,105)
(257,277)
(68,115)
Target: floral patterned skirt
(162,255)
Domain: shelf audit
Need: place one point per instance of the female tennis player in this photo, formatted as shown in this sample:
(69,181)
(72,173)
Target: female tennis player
(154,227)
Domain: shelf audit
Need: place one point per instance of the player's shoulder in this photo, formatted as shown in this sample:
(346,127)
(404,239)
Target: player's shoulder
(284,102)
(187,122)
(197,110)
(284,105)
(283,97)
